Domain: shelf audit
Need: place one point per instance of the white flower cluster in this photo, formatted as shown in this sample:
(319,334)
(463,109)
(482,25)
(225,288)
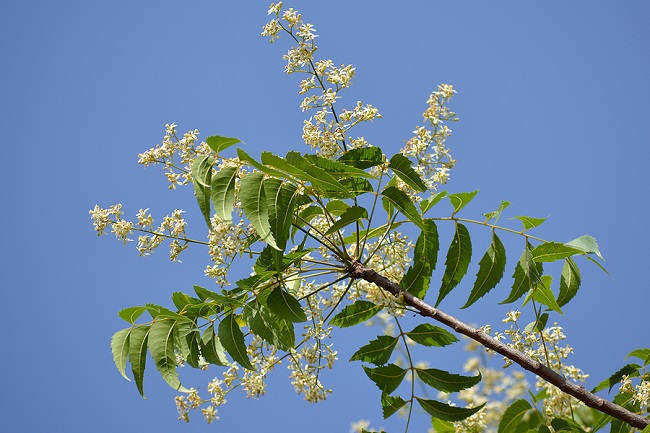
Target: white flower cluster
(427,146)
(172,227)
(226,241)
(177,172)
(324,134)
(640,392)
(546,348)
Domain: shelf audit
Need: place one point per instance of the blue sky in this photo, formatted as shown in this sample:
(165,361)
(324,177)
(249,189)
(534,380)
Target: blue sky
(553,100)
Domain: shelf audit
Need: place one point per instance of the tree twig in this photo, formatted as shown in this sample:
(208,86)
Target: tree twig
(358,270)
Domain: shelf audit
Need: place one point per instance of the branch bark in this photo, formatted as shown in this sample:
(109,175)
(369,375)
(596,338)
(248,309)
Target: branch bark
(359,271)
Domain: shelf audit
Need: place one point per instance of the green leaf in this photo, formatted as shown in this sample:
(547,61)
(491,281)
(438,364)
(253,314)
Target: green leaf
(283,305)
(131,314)
(513,416)
(156,311)
(372,233)
(428,203)
(642,354)
(601,422)
(631,370)
(120,349)
(352,214)
(446,412)
(526,276)
(138,354)
(202,175)
(182,300)
(282,198)
(390,404)
(387,377)
(321,179)
(211,347)
(161,346)
(403,203)
(529,222)
(444,381)
(440,426)
(376,352)
(565,425)
(354,314)
(619,426)
(457,262)
(337,207)
(202,170)
(490,272)
(206,295)
(537,325)
(431,335)
(223,192)
(402,166)
(569,282)
(460,200)
(552,251)
(496,214)
(232,339)
(418,276)
(202,195)
(270,328)
(244,157)
(587,244)
(188,343)
(219,143)
(256,207)
(363,157)
(337,169)
(544,295)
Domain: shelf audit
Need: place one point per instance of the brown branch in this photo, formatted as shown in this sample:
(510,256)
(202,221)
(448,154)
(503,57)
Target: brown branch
(357,270)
